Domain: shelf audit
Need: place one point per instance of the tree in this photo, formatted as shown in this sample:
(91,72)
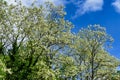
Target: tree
(33,39)
(2,70)
(36,43)
(91,54)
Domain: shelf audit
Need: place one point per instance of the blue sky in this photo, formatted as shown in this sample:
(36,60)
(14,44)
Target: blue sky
(106,13)
(85,12)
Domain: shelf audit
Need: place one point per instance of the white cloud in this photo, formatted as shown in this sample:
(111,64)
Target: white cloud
(11,1)
(56,2)
(116,5)
(85,6)
(28,2)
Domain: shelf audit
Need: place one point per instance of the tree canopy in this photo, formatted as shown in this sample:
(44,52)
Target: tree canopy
(37,43)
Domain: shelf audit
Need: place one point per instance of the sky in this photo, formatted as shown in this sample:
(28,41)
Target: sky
(85,12)
(103,12)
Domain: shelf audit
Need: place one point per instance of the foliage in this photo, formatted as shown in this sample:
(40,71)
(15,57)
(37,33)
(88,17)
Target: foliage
(36,43)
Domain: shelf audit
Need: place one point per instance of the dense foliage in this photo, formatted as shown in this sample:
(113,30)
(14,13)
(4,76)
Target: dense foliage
(36,43)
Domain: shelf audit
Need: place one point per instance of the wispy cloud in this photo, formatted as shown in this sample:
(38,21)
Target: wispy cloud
(56,2)
(27,2)
(11,1)
(85,6)
(116,5)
